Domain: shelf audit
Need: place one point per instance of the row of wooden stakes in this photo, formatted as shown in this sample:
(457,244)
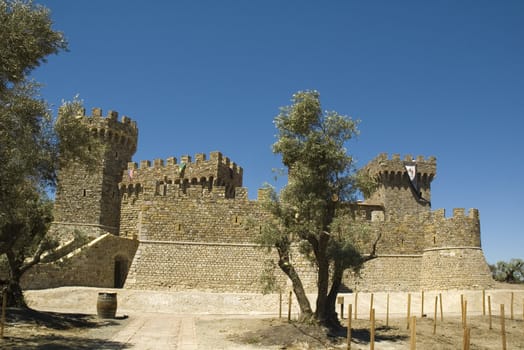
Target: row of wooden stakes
(411,320)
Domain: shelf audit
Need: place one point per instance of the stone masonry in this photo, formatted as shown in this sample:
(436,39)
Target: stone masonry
(188,224)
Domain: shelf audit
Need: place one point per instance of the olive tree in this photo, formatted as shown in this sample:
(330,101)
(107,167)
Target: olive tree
(307,213)
(510,272)
(33,144)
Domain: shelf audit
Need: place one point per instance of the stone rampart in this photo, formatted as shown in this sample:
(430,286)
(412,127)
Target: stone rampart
(387,273)
(194,216)
(195,227)
(219,267)
(91,265)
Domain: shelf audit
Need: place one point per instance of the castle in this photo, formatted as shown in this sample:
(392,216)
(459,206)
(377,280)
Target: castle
(181,224)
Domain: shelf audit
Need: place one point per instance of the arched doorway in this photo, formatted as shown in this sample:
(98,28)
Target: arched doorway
(121,266)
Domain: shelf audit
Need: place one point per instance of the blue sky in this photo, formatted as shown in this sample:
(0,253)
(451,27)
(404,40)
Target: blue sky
(432,78)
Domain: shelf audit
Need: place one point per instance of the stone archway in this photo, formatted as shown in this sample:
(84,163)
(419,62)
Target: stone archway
(121,267)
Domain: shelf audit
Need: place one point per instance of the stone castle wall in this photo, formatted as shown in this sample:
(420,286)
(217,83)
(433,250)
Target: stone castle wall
(190,217)
(426,251)
(196,239)
(91,265)
(193,227)
(216,267)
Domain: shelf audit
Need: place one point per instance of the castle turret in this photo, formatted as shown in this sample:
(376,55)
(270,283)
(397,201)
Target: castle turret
(90,201)
(452,256)
(401,186)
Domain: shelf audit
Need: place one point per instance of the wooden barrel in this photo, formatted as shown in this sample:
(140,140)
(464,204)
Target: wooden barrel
(106,305)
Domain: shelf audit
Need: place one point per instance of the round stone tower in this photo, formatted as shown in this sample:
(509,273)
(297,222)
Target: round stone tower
(395,190)
(90,201)
(453,257)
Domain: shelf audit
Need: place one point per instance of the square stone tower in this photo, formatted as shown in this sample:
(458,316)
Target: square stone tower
(90,201)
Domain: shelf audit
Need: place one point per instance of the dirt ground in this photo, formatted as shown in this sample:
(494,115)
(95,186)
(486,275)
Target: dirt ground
(45,330)
(249,331)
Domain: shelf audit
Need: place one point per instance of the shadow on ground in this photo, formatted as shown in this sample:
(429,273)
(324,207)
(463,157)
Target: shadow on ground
(53,320)
(58,342)
(42,330)
(383,333)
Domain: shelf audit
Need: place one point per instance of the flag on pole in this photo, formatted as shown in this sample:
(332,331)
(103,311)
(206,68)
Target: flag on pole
(411,168)
(412,173)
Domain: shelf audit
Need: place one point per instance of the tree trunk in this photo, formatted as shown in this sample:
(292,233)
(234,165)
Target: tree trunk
(322,287)
(298,287)
(331,315)
(320,250)
(15,296)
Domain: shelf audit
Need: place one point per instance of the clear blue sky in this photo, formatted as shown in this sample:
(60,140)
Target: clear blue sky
(441,78)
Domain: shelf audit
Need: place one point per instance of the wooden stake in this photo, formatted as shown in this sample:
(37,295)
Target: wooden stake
(502,327)
(489,312)
(289,307)
(483,302)
(387,311)
(413,339)
(465,316)
(511,306)
(340,300)
(350,312)
(462,308)
(356,300)
(4,306)
(435,318)
(409,310)
(372,332)
(465,338)
(441,313)
(422,305)
(370,305)
(280,305)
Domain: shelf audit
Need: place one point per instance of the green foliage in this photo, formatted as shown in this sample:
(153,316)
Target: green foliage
(268,279)
(75,142)
(321,182)
(26,38)
(509,272)
(312,145)
(32,146)
(365,183)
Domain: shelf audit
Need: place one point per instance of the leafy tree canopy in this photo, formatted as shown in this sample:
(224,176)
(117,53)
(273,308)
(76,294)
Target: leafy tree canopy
(309,211)
(26,38)
(33,145)
(509,272)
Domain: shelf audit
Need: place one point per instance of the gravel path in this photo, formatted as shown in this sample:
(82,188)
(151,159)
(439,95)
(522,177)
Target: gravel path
(158,331)
(199,320)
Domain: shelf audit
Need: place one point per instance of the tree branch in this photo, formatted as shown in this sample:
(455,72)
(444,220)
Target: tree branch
(35,259)
(373,254)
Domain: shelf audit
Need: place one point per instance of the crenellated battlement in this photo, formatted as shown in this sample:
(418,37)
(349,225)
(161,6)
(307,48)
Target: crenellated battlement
(394,164)
(110,129)
(395,189)
(186,160)
(169,190)
(202,173)
(438,215)
(458,213)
